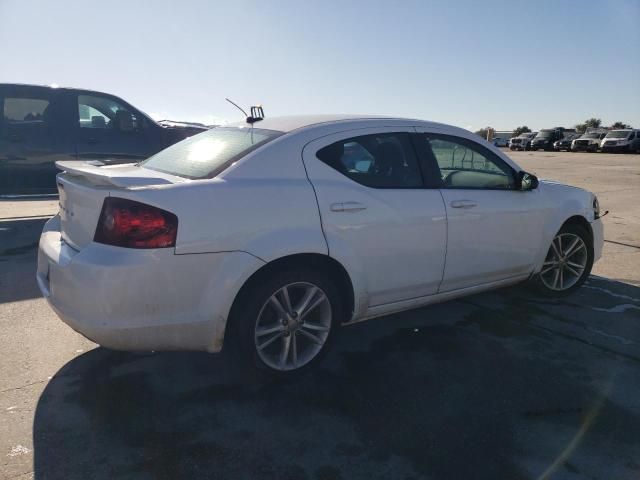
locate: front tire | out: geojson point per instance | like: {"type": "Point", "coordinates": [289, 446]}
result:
{"type": "Point", "coordinates": [286, 322]}
{"type": "Point", "coordinates": [568, 262]}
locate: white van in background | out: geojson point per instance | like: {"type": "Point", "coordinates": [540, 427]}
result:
{"type": "Point", "coordinates": [621, 141]}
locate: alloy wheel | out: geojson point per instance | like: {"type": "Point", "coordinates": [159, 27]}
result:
{"type": "Point", "coordinates": [293, 325]}
{"type": "Point", "coordinates": [565, 263]}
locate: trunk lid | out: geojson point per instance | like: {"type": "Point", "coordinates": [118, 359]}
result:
{"type": "Point", "coordinates": [83, 187]}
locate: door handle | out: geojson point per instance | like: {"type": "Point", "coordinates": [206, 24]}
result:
{"type": "Point", "coordinates": [347, 207]}
{"type": "Point", "coordinates": [463, 204]}
{"type": "Point", "coordinates": [93, 141]}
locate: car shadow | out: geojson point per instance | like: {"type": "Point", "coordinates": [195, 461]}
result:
{"type": "Point", "coordinates": [477, 388]}
{"type": "Point", "coordinates": [18, 258]}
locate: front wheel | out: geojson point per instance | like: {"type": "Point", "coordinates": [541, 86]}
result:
{"type": "Point", "coordinates": [287, 322]}
{"type": "Point", "coordinates": [568, 262]}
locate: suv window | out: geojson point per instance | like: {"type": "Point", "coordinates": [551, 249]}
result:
{"type": "Point", "coordinates": [25, 111]}
{"type": "Point", "coordinates": [385, 160]}
{"type": "Point", "coordinates": [103, 112]}
{"type": "Point", "coordinates": [465, 164]}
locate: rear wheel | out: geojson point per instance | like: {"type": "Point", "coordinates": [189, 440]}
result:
{"type": "Point", "coordinates": [287, 322]}
{"type": "Point", "coordinates": [568, 262]}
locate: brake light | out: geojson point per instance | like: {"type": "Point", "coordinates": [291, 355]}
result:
{"type": "Point", "coordinates": [125, 223]}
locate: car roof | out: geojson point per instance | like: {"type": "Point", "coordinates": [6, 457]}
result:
{"type": "Point", "coordinates": [296, 122]}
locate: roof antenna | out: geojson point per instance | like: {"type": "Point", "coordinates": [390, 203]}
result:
{"type": "Point", "coordinates": [237, 106]}
{"type": "Point", "coordinates": [257, 113]}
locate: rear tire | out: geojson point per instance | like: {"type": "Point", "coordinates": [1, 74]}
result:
{"type": "Point", "coordinates": [568, 262]}
{"type": "Point", "coordinates": [285, 323]}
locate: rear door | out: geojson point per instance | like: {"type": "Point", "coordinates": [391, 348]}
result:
{"type": "Point", "coordinates": [379, 216]}
{"type": "Point", "coordinates": [111, 131]}
{"type": "Point", "coordinates": [31, 140]}
{"type": "Point", "coordinates": [494, 229]}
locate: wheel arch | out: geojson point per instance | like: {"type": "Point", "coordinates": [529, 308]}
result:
{"type": "Point", "coordinates": [581, 221]}
{"type": "Point", "coordinates": [551, 232]}
{"type": "Point", "coordinates": [330, 265]}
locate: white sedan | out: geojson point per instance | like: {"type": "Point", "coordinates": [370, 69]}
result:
{"type": "Point", "coordinates": [268, 239]}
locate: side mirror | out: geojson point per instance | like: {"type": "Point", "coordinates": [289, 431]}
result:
{"type": "Point", "coordinates": [527, 181]}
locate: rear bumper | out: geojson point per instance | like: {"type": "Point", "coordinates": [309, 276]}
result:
{"type": "Point", "coordinates": [129, 299]}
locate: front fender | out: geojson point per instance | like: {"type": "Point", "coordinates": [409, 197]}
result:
{"type": "Point", "coordinates": [563, 203]}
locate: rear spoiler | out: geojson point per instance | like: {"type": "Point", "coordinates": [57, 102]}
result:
{"type": "Point", "coordinates": [122, 175]}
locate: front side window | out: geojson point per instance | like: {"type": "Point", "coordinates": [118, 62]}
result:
{"type": "Point", "coordinates": [385, 160]}
{"type": "Point", "coordinates": [95, 111]}
{"type": "Point", "coordinates": [25, 111]}
{"type": "Point", "coordinates": [208, 153]}
{"type": "Point", "coordinates": [465, 164]}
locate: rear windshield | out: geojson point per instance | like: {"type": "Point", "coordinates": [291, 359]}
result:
{"type": "Point", "coordinates": [208, 153]}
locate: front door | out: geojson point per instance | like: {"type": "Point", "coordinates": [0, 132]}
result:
{"type": "Point", "coordinates": [379, 218]}
{"type": "Point", "coordinates": [110, 131]}
{"type": "Point", "coordinates": [494, 229]}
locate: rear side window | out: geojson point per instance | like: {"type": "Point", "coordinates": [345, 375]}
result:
{"type": "Point", "coordinates": [385, 160]}
{"type": "Point", "coordinates": [209, 153]}
{"type": "Point", "coordinates": [25, 111]}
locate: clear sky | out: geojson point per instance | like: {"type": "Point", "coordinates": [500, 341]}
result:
{"type": "Point", "coordinates": [541, 63]}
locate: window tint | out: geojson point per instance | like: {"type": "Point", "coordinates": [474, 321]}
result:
{"type": "Point", "coordinates": [25, 111]}
{"type": "Point", "coordinates": [103, 112]}
{"type": "Point", "coordinates": [465, 164]}
{"type": "Point", "coordinates": [385, 160]}
{"type": "Point", "coordinates": [208, 153]}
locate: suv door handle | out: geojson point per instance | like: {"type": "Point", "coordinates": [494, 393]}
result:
{"type": "Point", "coordinates": [93, 141]}
{"type": "Point", "coordinates": [463, 204]}
{"type": "Point", "coordinates": [347, 207]}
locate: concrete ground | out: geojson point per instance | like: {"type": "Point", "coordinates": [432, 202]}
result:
{"type": "Point", "coordinates": [497, 385]}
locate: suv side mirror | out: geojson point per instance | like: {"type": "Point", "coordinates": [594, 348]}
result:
{"type": "Point", "coordinates": [527, 181]}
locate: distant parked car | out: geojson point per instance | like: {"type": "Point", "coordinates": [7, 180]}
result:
{"type": "Point", "coordinates": [40, 125]}
{"type": "Point", "coordinates": [587, 142]}
{"type": "Point", "coordinates": [621, 141]}
{"type": "Point", "coordinates": [545, 138]}
{"type": "Point", "coordinates": [522, 141]}
{"type": "Point", "coordinates": [564, 143]}
{"type": "Point", "coordinates": [500, 142]}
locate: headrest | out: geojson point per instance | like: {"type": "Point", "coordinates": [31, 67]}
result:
{"type": "Point", "coordinates": [124, 121]}
{"type": "Point", "coordinates": [97, 121]}
{"type": "Point", "coordinates": [388, 155]}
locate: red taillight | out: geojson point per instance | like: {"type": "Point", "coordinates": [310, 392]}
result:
{"type": "Point", "coordinates": [125, 223]}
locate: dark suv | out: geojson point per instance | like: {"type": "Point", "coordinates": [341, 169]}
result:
{"type": "Point", "coordinates": [40, 125]}
{"type": "Point", "coordinates": [546, 138]}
